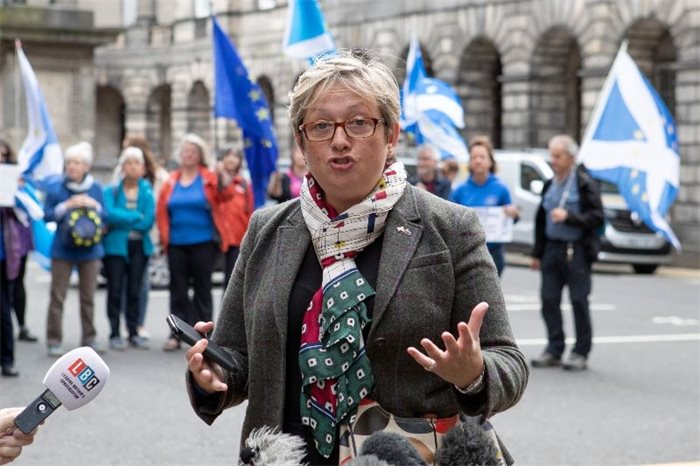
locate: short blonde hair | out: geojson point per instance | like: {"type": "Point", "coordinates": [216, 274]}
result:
{"type": "Point", "coordinates": [81, 151]}
{"type": "Point", "coordinates": [359, 72]}
{"type": "Point", "coordinates": [191, 138]}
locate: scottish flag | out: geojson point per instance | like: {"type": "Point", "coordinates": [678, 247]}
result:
{"type": "Point", "coordinates": [40, 159]}
{"type": "Point", "coordinates": [241, 99]}
{"type": "Point", "coordinates": [631, 142]}
{"type": "Point", "coordinates": [306, 35]}
{"type": "Point", "coordinates": [40, 155]}
{"type": "Point", "coordinates": [430, 109]}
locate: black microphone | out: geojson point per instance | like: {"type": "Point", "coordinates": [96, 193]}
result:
{"type": "Point", "coordinates": [388, 447]}
{"type": "Point", "coordinates": [468, 445]}
{"type": "Point", "coordinates": [73, 381]}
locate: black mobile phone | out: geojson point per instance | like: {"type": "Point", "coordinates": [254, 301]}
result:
{"type": "Point", "coordinates": [185, 332]}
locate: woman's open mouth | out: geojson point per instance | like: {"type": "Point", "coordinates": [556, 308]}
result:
{"type": "Point", "coordinates": [341, 163]}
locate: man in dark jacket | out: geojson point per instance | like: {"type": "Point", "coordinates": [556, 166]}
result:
{"type": "Point", "coordinates": [427, 175]}
{"type": "Point", "coordinates": [566, 244]}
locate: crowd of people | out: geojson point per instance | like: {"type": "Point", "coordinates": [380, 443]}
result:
{"type": "Point", "coordinates": [328, 311]}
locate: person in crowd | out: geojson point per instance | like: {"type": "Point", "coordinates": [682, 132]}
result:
{"type": "Point", "coordinates": [156, 175]}
{"type": "Point", "coordinates": [484, 189]}
{"type": "Point", "coordinates": [427, 174]}
{"type": "Point", "coordinates": [191, 216]}
{"type": "Point", "coordinates": [450, 171]}
{"type": "Point", "coordinates": [12, 440]}
{"type": "Point", "coordinates": [285, 186]}
{"type": "Point", "coordinates": [566, 244]}
{"type": "Point", "coordinates": [317, 324]}
{"type": "Point", "coordinates": [238, 209]}
{"type": "Point", "coordinates": [129, 216]}
{"type": "Point", "coordinates": [19, 244]}
{"type": "Point", "coordinates": [75, 203]}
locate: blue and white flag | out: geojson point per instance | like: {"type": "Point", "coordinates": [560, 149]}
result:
{"type": "Point", "coordinates": [631, 142]}
{"type": "Point", "coordinates": [241, 99]}
{"type": "Point", "coordinates": [306, 35]}
{"type": "Point", "coordinates": [40, 159]}
{"type": "Point", "coordinates": [40, 155]}
{"type": "Point", "coordinates": [431, 111]}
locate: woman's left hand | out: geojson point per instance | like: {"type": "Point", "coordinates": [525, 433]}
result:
{"type": "Point", "coordinates": [511, 211]}
{"type": "Point", "coordinates": [461, 362]}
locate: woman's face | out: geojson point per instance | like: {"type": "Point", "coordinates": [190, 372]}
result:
{"type": "Point", "coordinates": [231, 163]}
{"type": "Point", "coordinates": [189, 157]}
{"type": "Point", "coordinates": [132, 169]}
{"type": "Point", "coordinates": [76, 169]}
{"type": "Point", "coordinates": [479, 161]}
{"type": "Point", "coordinates": [346, 168]}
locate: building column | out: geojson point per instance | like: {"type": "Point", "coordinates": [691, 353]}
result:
{"type": "Point", "coordinates": [516, 113]}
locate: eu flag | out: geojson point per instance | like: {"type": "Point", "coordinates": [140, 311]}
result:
{"type": "Point", "coordinates": [241, 99]}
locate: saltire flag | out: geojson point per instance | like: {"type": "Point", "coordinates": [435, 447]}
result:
{"type": "Point", "coordinates": [306, 34]}
{"type": "Point", "coordinates": [631, 142]}
{"type": "Point", "coordinates": [431, 111]}
{"type": "Point", "coordinates": [40, 159]}
{"type": "Point", "coordinates": [40, 155]}
{"type": "Point", "coordinates": [241, 99]}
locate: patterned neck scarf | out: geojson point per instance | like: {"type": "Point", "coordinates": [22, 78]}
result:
{"type": "Point", "coordinates": [334, 365]}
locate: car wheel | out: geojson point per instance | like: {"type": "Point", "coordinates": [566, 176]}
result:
{"type": "Point", "coordinates": [646, 269]}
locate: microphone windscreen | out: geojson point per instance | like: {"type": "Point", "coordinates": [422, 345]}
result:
{"type": "Point", "coordinates": [367, 460]}
{"type": "Point", "coordinates": [77, 377]}
{"type": "Point", "coordinates": [469, 445]}
{"type": "Point", "coordinates": [392, 448]}
{"type": "Point", "coordinates": [268, 447]}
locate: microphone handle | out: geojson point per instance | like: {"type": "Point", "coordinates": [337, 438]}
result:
{"type": "Point", "coordinates": [35, 413]}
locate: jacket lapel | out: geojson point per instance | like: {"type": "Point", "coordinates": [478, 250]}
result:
{"type": "Point", "coordinates": [401, 236]}
{"type": "Point", "coordinates": [292, 241]}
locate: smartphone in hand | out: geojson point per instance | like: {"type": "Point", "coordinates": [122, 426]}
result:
{"type": "Point", "coordinates": [185, 332]}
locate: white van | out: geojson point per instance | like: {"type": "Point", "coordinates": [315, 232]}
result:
{"type": "Point", "coordinates": [626, 239]}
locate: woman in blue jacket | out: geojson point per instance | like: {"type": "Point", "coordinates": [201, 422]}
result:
{"type": "Point", "coordinates": [74, 202]}
{"type": "Point", "coordinates": [129, 215]}
{"type": "Point", "coordinates": [485, 189]}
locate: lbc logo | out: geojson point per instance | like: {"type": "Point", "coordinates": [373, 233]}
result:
{"type": "Point", "coordinates": [84, 374]}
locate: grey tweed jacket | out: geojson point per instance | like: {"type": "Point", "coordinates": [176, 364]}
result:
{"type": "Point", "coordinates": [434, 269]}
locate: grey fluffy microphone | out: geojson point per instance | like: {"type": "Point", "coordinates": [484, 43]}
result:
{"type": "Point", "coordinates": [74, 380]}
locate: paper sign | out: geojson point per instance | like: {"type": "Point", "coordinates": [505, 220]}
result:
{"type": "Point", "coordinates": [498, 226]}
{"type": "Point", "coordinates": [8, 184]}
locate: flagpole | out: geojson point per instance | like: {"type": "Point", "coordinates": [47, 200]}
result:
{"type": "Point", "coordinates": [18, 43]}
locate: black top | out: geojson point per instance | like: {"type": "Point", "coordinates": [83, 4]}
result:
{"type": "Point", "coordinates": [307, 282]}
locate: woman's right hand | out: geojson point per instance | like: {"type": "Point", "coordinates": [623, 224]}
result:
{"type": "Point", "coordinates": [207, 375]}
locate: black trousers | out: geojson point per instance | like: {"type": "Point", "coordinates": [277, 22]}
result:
{"type": "Point", "coordinates": [18, 293]}
{"type": "Point", "coordinates": [7, 339]}
{"type": "Point", "coordinates": [191, 266]}
{"type": "Point", "coordinates": [230, 258]}
{"type": "Point", "coordinates": [557, 271]}
{"type": "Point", "coordinates": [120, 269]}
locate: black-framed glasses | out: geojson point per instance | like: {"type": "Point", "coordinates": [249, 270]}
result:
{"type": "Point", "coordinates": [323, 130]}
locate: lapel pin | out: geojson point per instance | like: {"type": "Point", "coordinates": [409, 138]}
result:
{"type": "Point", "coordinates": [404, 230]}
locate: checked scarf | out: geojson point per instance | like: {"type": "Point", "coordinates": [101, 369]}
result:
{"type": "Point", "coordinates": [334, 365]}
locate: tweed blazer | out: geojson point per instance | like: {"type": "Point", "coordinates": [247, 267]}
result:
{"type": "Point", "coordinates": [433, 270]}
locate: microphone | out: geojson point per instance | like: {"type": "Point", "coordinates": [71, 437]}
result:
{"type": "Point", "coordinates": [269, 447]}
{"type": "Point", "coordinates": [469, 444]}
{"type": "Point", "coordinates": [388, 448]}
{"type": "Point", "coordinates": [73, 381]}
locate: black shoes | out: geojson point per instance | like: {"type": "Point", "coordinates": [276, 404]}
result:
{"type": "Point", "coordinates": [546, 360]}
{"type": "Point", "coordinates": [25, 335]}
{"type": "Point", "coordinates": [9, 371]}
{"type": "Point", "coordinates": [575, 362]}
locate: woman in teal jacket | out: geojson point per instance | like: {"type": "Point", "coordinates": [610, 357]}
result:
{"type": "Point", "coordinates": [129, 215]}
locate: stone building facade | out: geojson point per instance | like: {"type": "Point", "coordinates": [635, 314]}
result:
{"type": "Point", "coordinates": [525, 69]}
